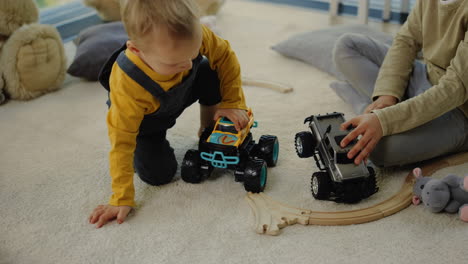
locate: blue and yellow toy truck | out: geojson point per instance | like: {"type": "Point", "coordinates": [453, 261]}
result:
{"type": "Point", "coordinates": [222, 146]}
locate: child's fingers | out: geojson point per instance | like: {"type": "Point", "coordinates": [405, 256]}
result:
{"type": "Point", "coordinates": [106, 217]}
{"type": "Point", "coordinates": [366, 151]}
{"type": "Point", "coordinates": [244, 120]}
{"type": "Point", "coordinates": [95, 214]}
{"type": "Point", "coordinates": [240, 125]}
{"type": "Point", "coordinates": [379, 106]}
{"type": "Point", "coordinates": [217, 115]}
{"type": "Point", "coordinates": [345, 125]}
{"type": "Point", "coordinates": [93, 218]}
{"type": "Point", "coordinates": [123, 212]}
{"type": "Point", "coordinates": [90, 218]}
{"type": "Point", "coordinates": [362, 143]}
{"type": "Point", "coordinates": [351, 136]}
{"type": "Point", "coordinates": [236, 121]}
{"type": "Point", "coordinates": [241, 120]}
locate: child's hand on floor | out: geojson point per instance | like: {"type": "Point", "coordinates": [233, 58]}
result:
{"type": "Point", "coordinates": [105, 213]}
{"type": "Point", "coordinates": [238, 116]}
{"type": "Point", "coordinates": [367, 125]}
{"type": "Point", "coordinates": [381, 102]}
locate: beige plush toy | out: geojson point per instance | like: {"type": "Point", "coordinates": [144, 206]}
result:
{"type": "Point", "coordinates": [32, 57]}
{"type": "Point", "coordinates": [210, 7]}
{"type": "Point", "coordinates": [109, 10]}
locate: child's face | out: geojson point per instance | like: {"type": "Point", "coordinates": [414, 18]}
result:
{"type": "Point", "coordinates": [167, 55]}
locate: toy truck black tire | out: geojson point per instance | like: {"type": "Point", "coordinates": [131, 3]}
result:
{"type": "Point", "coordinates": [321, 185]}
{"type": "Point", "coordinates": [255, 175]}
{"type": "Point", "coordinates": [190, 169]}
{"type": "Point", "coordinates": [305, 144]}
{"type": "Point", "coordinates": [269, 149]}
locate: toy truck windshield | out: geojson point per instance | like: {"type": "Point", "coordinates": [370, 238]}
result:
{"type": "Point", "coordinates": [226, 128]}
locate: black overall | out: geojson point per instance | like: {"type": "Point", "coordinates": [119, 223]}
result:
{"type": "Point", "coordinates": [154, 159]}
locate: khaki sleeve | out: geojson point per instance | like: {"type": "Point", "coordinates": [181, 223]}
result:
{"type": "Point", "coordinates": [224, 61]}
{"type": "Point", "coordinates": [449, 93]}
{"type": "Point", "coordinates": [398, 63]}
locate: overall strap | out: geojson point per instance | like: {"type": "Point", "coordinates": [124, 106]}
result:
{"type": "Point", "coordinates": [139, 76]}
{"type": "Point", "coordinates": [105, 72]}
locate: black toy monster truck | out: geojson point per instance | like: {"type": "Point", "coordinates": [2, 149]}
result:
{"type": "Point", "coordinates": [226, 148]}
{"type": "Point", "coordinates": [339, 179]}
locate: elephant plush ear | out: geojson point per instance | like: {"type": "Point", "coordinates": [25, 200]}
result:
{"type": "Point", "coordinates": [417, 173]}
{"type": "Point", "coordinates": [15, 13]}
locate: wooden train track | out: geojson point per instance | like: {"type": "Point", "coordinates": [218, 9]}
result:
{"type": "Point", "coordinates": [271, 216]}
{"type": "Point", "coordinates": [275, 86]}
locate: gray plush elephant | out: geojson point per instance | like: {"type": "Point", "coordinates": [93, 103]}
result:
{"type": "Point", "coordinates": [449, 194]}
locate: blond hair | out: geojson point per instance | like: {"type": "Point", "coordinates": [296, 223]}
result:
{"type": "Point", "coordinates": [141, 17]}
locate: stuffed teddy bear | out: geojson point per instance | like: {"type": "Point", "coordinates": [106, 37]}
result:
{"type": "Point", "coordinates": [210, 7]}
{"type": "Point", "coordinates": [449, 194]}
{"type": "Point", "coordinates": [32, 57]}
{"type": "Point", "coordinates": [109, 10]}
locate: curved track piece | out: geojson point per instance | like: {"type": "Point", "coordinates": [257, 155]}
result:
{"type": "Point", "coordinates": [279, 87]}
{"type": "Point", "coordinates": [271, 216]}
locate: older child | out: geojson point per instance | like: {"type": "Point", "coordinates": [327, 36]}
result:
{"type": "Point", "coordinates": [415, 110]}
{"type": "Point", "coordinates": [159, 73]}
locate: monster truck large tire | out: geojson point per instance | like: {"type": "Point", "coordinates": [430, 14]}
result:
{"type": "Point", "coordinates": [190, 169]}
{"type": "Point", "coordinates": [269, 149]}
{"type": "Point", "coordinates": [255, 175]}
{"type": "Point", "coordinates": [305, 144]}
{"type": "Point", "coordinates": [321, 185]}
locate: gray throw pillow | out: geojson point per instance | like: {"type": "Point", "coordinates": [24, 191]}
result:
{"type": "Point", "coordinates": [316, 47]}
{"type": "Point", "coordinates": [94, 46]}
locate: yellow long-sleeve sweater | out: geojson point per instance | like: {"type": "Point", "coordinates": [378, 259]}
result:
{"type": "Point", "coordinates": [130, 103]}
{"type": "Point", "coordinates": [440, 30]}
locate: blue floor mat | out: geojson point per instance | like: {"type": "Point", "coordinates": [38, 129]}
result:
{"type": "Point", "coordinates": [69, 19]}
{"type": "Point", "coordinates": [349, 7]}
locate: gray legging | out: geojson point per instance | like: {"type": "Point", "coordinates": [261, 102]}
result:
{"type": "Point", "coordinates": [359, 58]}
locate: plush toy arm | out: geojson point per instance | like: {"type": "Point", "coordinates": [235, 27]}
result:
{"type": "Point", "coordinates": [14, 14]}
{"type": "Point", "coordinates": [33, 61]}
{"type": "Point", "coordinates": [453, 180]}
{"type": "Point", "coordinates": [452, 207]}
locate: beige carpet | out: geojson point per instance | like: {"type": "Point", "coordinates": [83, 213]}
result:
{"type": "Point", "coordinates": [54, 171]}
